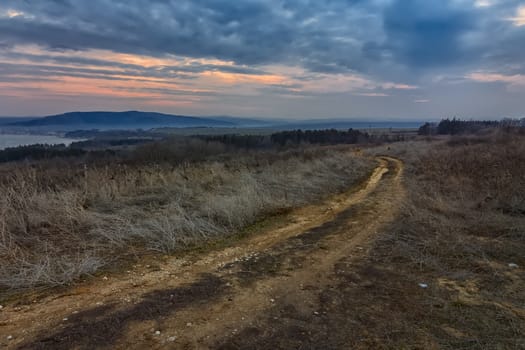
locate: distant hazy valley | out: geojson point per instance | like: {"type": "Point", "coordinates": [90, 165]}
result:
{"type": "Point", "coordinates": [133, 120]}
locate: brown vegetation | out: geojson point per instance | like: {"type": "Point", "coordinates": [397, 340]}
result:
{"type": "Point", "coordinates": [447, 273]}
{"type": "Point", "coordinates": [462, 234]}
{"type": "Point", "coordinates": [428, 255]}
{"type": "Point", "coordinates": [62, 219]}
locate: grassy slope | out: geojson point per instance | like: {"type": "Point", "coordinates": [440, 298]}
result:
{"type": "Point", "coordinates": [461, 228]}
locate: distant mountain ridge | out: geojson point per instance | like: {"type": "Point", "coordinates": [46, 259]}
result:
{"type": "Point", "coordinates": [133, 120]}
{"type": "Point", "coordinates": [126, 120]}
{"type": "Point", "coordinates": [11, 120]}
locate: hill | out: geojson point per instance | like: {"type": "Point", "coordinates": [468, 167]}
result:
{"type": "Point", "coordinates": [11, 120]}
{"type": "Point", "coordinates": [118, 120]}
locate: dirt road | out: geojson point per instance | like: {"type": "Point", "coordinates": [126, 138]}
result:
{"type": "Point", "coordinates": [275, 289]}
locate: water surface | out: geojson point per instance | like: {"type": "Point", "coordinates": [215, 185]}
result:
{"type": "Point", "coordinates": [8, 140]}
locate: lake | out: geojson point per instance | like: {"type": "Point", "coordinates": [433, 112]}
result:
{"type": "Point", "coordinates": [7, 140]}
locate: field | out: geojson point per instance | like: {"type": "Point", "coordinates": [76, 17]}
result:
{"type": "Point", "coordinates": [60, 220]}
{"type": "Point", "coordinates": [407, 245]}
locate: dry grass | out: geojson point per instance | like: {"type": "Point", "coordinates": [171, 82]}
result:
{"type": "Point", "coordinates": [463, 224]}
{"type": "Point", "coordinates": [59, 221]}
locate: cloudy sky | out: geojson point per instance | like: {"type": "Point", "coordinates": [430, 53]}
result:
{"type": "Point", "coordinates": [375, 59]}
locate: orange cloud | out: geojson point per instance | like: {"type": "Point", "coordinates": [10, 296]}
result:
{"type": "Point", "coordinates": [236, 78]}
{"type": "Point", "coordinates": [134, 83]}
{"type": "Point", "coordinates": [519, 19]}
{"type": "Point", "coordinates": [517, 79]}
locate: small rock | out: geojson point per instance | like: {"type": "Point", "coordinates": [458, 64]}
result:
{"type": "Point", "coordinates": [513, 266]}
{"type": "Point", "coordinates": [316, 313]}
{"type": "Point", "coordinates": [423, 285]}
{"type": "Point", "coordinates": [172, 339]}
{"type": "Point", "coordinates": [64, 319]}
{"type": "Point", "coordinates": [1, 307]}
{"type": "Point", "coordinates": [157, 332]}
{"type": "Point", "coordinates": [189, 324]}
{"type": "Point", "coordinates": [105, 278]}
{"type": "Point", "coordinates": [272, 300]}
{"type": "Point", "coordinates": [9, 337]}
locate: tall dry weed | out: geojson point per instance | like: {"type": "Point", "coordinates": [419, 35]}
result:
{"type": "Point", "coordinates": [54, 230]}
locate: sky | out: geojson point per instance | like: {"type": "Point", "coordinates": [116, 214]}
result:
{"type": "Point", "coordinates": [366, 60]}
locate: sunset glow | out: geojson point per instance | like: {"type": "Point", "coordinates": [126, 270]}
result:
{"type": "Point", "coordinates": [519, 20]}
{"type": "Point", "coordinates": [218, 59]}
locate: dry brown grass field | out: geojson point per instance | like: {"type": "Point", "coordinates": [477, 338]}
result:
{"type": "Point", "coordinates": [410, 245]}
{"type": "Point", "coordinates": [462, 233]}
{"type": "Point", "coordinates": [61, 220]}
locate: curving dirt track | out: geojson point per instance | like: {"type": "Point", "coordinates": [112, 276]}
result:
{"type": "Point", "coordinates": [276, 289]}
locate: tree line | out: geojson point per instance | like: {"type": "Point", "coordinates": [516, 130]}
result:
{"type": "Point", "coordinates": [191, 148]}
{"type": "Point", "coordinates": [457, 126]}
{"type": "Point", "coordinates": [44, 151]}
{"type": "Point", "coordinates": [291, 138]}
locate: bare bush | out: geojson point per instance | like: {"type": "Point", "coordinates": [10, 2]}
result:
{"type": "Point", "coordinates": [49, 270]}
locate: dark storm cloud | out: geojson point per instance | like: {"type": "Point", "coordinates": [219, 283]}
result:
{"type": "Point", "coordinates": [385, 39]}
{"type": "Point", "coordinates": [427, 33]}
{"type": "Point", "coordinates": [247, 32]}
{"type": "Point", "coordinates": [242, 31]}
{"type": "Point", "coordinates": [323, 36]}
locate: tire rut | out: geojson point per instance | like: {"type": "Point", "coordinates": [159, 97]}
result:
{"type": "Point", "coordinates": [215, 304]}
